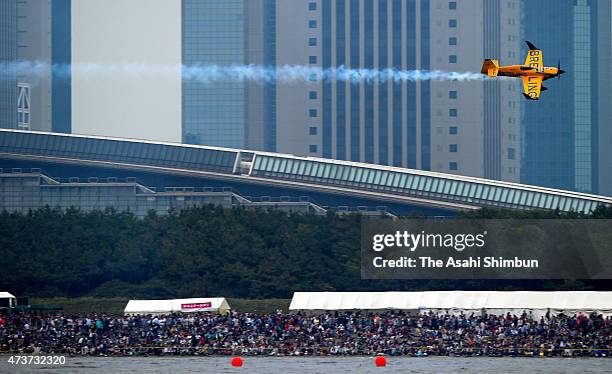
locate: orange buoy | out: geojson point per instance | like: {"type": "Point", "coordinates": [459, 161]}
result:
{"type": "Point", "coordinates": [237, 362]}
{"type": "Point", "coordinates": [380, 361]}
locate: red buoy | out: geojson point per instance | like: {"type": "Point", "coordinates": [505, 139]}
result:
{"type": "Point", "coordinates": [237, 362]}
{"type": "Point", "coordinates": [380, 361]}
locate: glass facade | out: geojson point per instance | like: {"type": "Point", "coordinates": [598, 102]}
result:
{"type": "Point", "coordinates": [368, 54]}
{"type": "Point", "coordinates": [582, 97]}
{"type": "Point", "coordinates": [214, 33]}
{"type": "Point", "coordinates": [425, 89]}
{"type": "Point", "coordinates": [561, 146]}
{"type": "Point", "coordinates": [8, 54]}
{"type": "Point", "coordinates": [383, 87]}
{"type": "Point", "coordinates": [118, 151]}
{"type": "Point", "coordinates": [270, 87]}
{"type": "Point", "coordinates": [61, 53]}
{"type": "Point", "coordinates": [355, 103]}
{"type": "Point", "coordinates": [326, 16]}
{"type": "Point", "coordinates": [340, 85]}
{"type": "Point", "coordinates": [547, 137]}
{"type": "Point", "coordinates": [397, 86]}
{"type": "Point", "coordinates": [375, 121]}
{"type": "Point", "coordinates": [434, 186]}
{"type": "Point", "coordinates": [411, 91]}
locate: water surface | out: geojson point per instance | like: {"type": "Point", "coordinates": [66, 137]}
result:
{"type": "Point", "coordinates": [312, 365]}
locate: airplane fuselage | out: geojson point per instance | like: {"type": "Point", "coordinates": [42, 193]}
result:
{"type": "Point", "coordinates": [527, 71]}
{"type": "Point", "coordinates": [532, 72]}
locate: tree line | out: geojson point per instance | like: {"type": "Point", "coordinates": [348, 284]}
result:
{"type": "Point", "coordinates": [207, 251]}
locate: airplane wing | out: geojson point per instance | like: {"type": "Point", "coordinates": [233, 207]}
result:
{"type": "Point", "coordinates": [534, 57]}
{"type": "Point", "coordinates": [531, 87]}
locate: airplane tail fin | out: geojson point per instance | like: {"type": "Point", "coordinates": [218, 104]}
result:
{"type": "Point", "coordinates": [490, 68]}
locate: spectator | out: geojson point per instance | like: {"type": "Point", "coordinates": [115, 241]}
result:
{"type": "Point", "coordinates": [332, 333]}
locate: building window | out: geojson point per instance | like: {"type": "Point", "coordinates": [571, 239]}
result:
{"type": "Point", "coordinates": [312, 113]}
{"type": "Point", "coordinates": [452, 59]}
{"type": "Point", "coordinates": [312, 42]}
{"type": "Point", "coordinates": [452, 23]}
{"type": "Point", "coordinates": [453, 130]}
{"type": "Point", "coordinates": [312, 130]}
{"type": "Point", "coordinates": [312, 24]}
{"type": "Point", "coordinates": [452, 112]}
{"type": "Point", "coordinates": [452, 41]}
{"type": "Point", "coordinates": [312, 6]}
{"type": "Point", "coordinates": [312, 95]}
{"type": "Point", "coordinates": [313, 77]}
{"type": "Point", "coordinates": [452, 148]}
{"type": "Point", "coordinates": [452, 94]}
{"type": "Point", "coordinates": [313, 148]}
{"type": "Point", "coordinates": [511, 154]}
{"type": "Point", "coordinates": [452, 5]}
{"type": "Point", "coordinates": [312, 59]}
{"type": "Point", "coordinates": [453, 166]}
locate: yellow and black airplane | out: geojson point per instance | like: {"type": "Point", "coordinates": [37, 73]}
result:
{"type": "Point", "coordinates": [532, 72]}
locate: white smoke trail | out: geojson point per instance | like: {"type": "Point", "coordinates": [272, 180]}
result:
{"type": "Point", "coordinates": [237, 73]}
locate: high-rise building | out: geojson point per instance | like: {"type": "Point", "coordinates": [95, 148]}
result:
{"type": "Point", "coordinates": [603, 82]}
{"type": "Point", "coordinates": [501, 98]}
{"type": "Point", "coordinates": [225, 33]}
{"type": "Point", "coordinates": [261, 26]}
{"type": "Point", "coordinates": [36, 32]}
{"type": "Point", "coordinates": [473, 128]}
{"type": "Point", "coordinates": [148, 105]}
{"type": "Point", "coordinates": [213, 32]}
{"type": "Point", "coordinates": [567, 132]}
{"type": "Point", "coordinates": [34, 45]}
{"type": "Point", "coordinates": [466, 128]}
{"type": "Point", "coordinates": [469, 128]}
{"type": "Point", "coordinates": [8, 55]}
{"type": "Point", "coordinates": [133, 89]}
{"type": "Point", "coordinates": [61, 55]}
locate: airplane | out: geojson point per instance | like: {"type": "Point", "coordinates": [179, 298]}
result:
{"type": "Point", "coordinates": [532, 72]}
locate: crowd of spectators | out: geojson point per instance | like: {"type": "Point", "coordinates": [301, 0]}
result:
{"type": "Point", "coordinates": [331, 333]}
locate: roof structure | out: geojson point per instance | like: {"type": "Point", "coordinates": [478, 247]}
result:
{"type": "Point", "coordinates": [501, 301]}
{"type": "Point", "coordinates": [192, 305]}
{"type": "Point", "coordinates": [430, 189]}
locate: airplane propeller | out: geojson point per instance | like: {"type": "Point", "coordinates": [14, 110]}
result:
{"type": "Point", "coordinates": [559, 70]}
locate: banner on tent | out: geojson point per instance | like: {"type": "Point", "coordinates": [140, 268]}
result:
{"type": "Point", "coordinates": [192, 306]}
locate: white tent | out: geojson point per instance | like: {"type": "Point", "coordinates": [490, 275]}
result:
{"type": "Point", "coordinates": [496, 302]}
{"type": "Point", "coordinates": [8, 300]}
{"type": "Point", "coordinates": [200, 304]}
